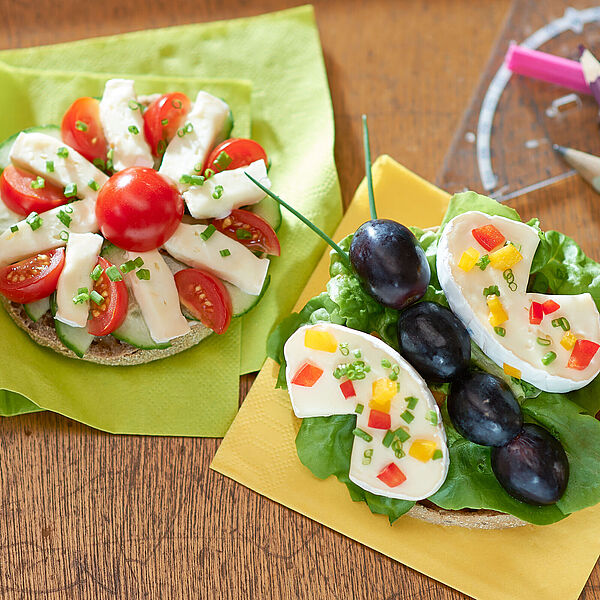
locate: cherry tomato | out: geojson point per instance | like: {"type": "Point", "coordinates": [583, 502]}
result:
{"type": "Point", "coordinates": [109, 315]}
{"type": "Point", "coordinates": [20, 197]}
{"type": "Point", "coordinates": [205, 297]}
{"type": "Point", "coordinates": [242, 152]}
{"type": "Point", "coordinates": [163, 118]}
{"type": "Point", "coordinates": [81, 129]}
{"type": "Point", "coordinates": [33, 278]}
{"type": "Point", "coordinates": [138, 209]}
{"type": "Point", "coordinates": [250, 230]}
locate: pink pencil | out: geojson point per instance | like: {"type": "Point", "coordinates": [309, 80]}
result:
{"type": "Point", "coordinates": [546, 67]}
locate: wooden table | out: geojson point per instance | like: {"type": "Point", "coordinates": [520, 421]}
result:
{"type": "Point", "coordinates": [84, 514]}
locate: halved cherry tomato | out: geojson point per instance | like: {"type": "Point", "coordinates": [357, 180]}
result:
{"type": "Point", "coordinates": [379, 419]}
{"type": "Point", "coordinates": [250, 230]}
{"type": "Point", "coordinates": [391, 475]}
{"type": "Point", "coordinates": [81, 129]}
{"type": "Point", "coordinates": [138, 209]}
{"type": "Point", "coordinates": [205, 297]}
{"type": "Point", "coordinates": [163, 118]}
{"type": "Point", "coordinates": [33, 278]}
{"type": "Point", "coordinates": [307, 375]}
{"type": "Point", "coordinates": [488, 236]}
{"type": "Point", "coordinates": [110, 314]}
{"type": "Point", "coordinates": [242, 152]}
{"type": "Point", "coordinates": [20, 197]}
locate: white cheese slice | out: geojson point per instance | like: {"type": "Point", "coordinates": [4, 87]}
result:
{"type": "Point", "coordinates": [325, 398]}
{"type": "Point", "coordinates": [31, 151]}
{"type": "Point", "coordinates": [7, 216]}
{"type": "Point", "coordinates": [227, 190]}
{"type": "Point", "coordinates": [241, 268]}
{"type": "Point", "coordinates": [158, 297]}
{"type": "Point", "coordinates": [51, 234]}
{"type": "Point", "coordinates": [120, 122]}
{"type": "Point", "coordinates": [519, 347]}
{"type": "Point", "coordinates": [204, 122]}
{"type": "Point", "coordinates": [81, 257]}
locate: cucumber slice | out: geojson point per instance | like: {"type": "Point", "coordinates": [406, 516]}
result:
{"type": "Point", "coordinates": [36, 310]}
{"type": "Point", "coordinates": [76, 339]}
{"type": "Point", "coordinates": [242, 302]}
{"type": "Point", "coordinates": [269, 210]}
{"type": "Point", "coordinates": [227, 129]}
{"type": "Point", "coordinates": [7, 144]}
{"type": "Point", "coordinates": [134, 330]}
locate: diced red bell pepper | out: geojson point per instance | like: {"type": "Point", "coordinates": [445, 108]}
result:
{"type": "Point", "coordinates": [536, 313]}
{"type": "Point", "coordinates": [392, 476]}
{"type": "Point", "coordinates": [379, 419]}
{"type": "Point", "coordinates": [488, 236]}
{"type": "Point", "coordinates": [550, 306]}
{"type": "Point", "coordinates": [347, 389]}
{"type": "Point", "coordinates": [307, 375]}
{"type": "Point", "coordinates": [582, 354]}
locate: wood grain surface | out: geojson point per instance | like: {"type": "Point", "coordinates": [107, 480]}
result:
{"type": "Point", "coordinates": [88, 515]}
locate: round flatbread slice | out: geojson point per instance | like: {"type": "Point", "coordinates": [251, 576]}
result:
{"type": "Point", "coordinates": [470, 519]}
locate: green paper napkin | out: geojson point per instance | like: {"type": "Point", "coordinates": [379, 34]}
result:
{"type": "Point", "coordinates": [291, 117]}
{"type": "Point", "coordinates": [192, 393]}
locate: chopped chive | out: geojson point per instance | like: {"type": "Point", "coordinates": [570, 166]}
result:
{"type": "Point", "coordinates": [362, 434]}
{"type": "Point", "coordinates": [96, 298]}
{"type": "Point", "coordinates": [128, 266]}
{"type": "Point", "coordinates": [198, 167]}
{"type": "Point", "coordinates": [64, 218]}
{"type": "Point", "coordinates": [81, 126]}
{"type": "Point", "coordinates": [344, 349]}
{"type": "Point", "coordinates": [437, 454]}
{"type": "Point", "coordinates": [93, 185]}
{"type": "Point", "coordinates": [218, 192]}
{"type": "Point", "coordinates": [70, 190]}
{"type": "Point", "coordinates": [411, 402]}
{"type": "Point", "coordinates": [500, 331]}
{"type": "Point", "coordinates": [397, 448]}
{"type": "Point", "coordinates": [223, 160]}
{"type": "Point", "coordinates": [357, 353]}
{"type": "Point", "coordinates": [401, 434]}
{"type": "Point", "coordinates": [207, 233]}
{"type": "Point", "coordinates": [99, 163]}
{"type": "Point", "coordinates": [388, 438]}
{"type": "Point", "coordinates": [96, 273]}
{"type": "Point", "coordinates": [385, 363]}
{"type": "Point", "coordinates": [242, 234]}
{"type": "Point", "coordinates": [133, 105]}
{"type": "Point", "coordinates": [82, 290]}
{"type": "Point", "coordinates": [432, 417]}
{"type": "Point", "coordinates": [393, 376]}
{"type": "Point", "coordinates": [192, 179]}
{"type": "Point", "coordinates": [208, 173]}
{"type": "Point", "coordinates": [176, 103]}
{"type": "Point", "coordinates": [14, 228]}
{"type": "Point", "coordinates": [396, 369]}
{"type": "Point", "coordinates": [50, 166]}
{"type": "Point", "coordinates": [143, 274]}
{"type": "Point", "coordinates": [368, 170]}
{"type": "Point", "coordinates": [81, 298]}
{"type": "Point", "coordinates": [133, 129]}
{"type": "Point", "coordinates": [138, 262]}
{"type": "Point", "coordinates": [113, 273]}
{"type": "Point", "coordinates": [64, 236]}
{"type": "Point", "coordinates": [548, 358]}
{"type": "Point", "coordinates": [164, 122]}
{"type": "Point", "coordinates": [562, 323]}
{"type": "Point", "coordinates": [161, 147]}
{"type": "Point", "coordinates": [62, 152]}
{"type": "Point", "coordinates": [483, 262]}
{"type": "Point", "coordinates": [407, 416]}
{"type": "Point", "coordinates": [367, 456]}
{"type": "Point", "coordinates": [39, 183]}
{"type": "Point", "coordinates": [225, 252]}
{"type": "Point", "coordinates": [359, 408]}
{"type": "Point", "coordinates": [544, 341]}
{"type": "Point", "coordinates": [491, 291]}
{"type": "Point", "coordinates": [34, 221]}
{"type": "Point", "coordinates": [187, 128]}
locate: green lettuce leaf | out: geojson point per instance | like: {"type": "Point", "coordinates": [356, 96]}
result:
{"type": "Point", "coordinates": [467, 201]}
{"type": "Point", "coordinates": [324, 445]}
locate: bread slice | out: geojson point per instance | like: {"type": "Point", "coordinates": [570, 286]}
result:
{"type": "Point", "coordinates": [105, 350]}
{"type": "Point", "coordinates": [468, 518]}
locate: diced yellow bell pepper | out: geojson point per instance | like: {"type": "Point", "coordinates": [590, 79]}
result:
{"type": "Point", "coordinates": [468, 259]}
{"type": "Point", "coordinates": [422, 450]}
{"type": "Point", "coordinates": [384, 389]}
{"type": "Point", "coordinates": [497, 314]}
{"type": "Point", "coordinates": [317, 339]}
{"type": "Point", "coordinates": [505, 258]}
{"type": "Point", "coordinates": [512, 371]}
{"type": "Point", "coordinates": [568, 341]}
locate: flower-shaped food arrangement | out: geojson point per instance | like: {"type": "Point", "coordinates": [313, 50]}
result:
{"type": "Point", "coordinates": [131, 232]}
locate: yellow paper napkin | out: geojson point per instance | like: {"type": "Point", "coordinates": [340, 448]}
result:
{"type": "Point", "coordinates": [526, 563]}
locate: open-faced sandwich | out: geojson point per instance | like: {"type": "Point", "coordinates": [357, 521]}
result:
{"type": "Point", "coordinates": [131, 232]}
{"type": "Point", "coordinates": [451, 374]}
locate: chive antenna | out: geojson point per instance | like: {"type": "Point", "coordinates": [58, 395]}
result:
{"type": "Point", "coordinates": [343, 255]}
{"type": "Point", "coordinates": [367, 146]}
